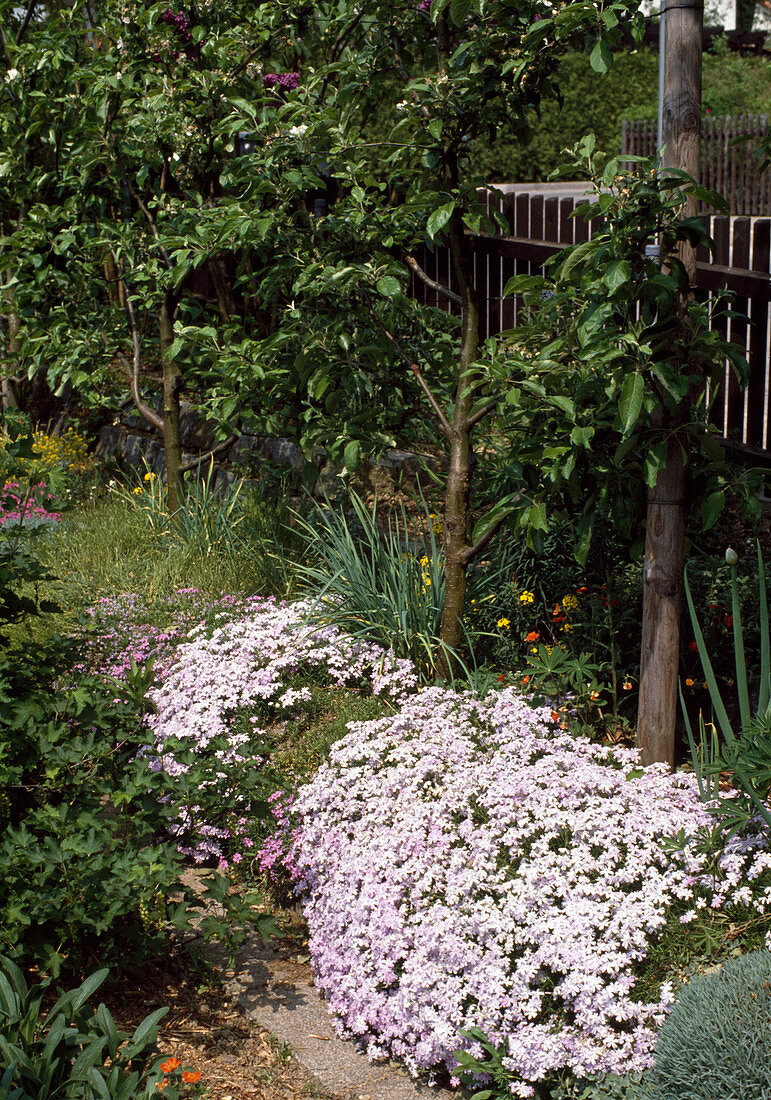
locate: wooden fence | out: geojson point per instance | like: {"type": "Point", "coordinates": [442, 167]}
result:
{"type": "Point", "coordinates": [540, 224]}
{"type": "Point", "coordinates": [730, 161]}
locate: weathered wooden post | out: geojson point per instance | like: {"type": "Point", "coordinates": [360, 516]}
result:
{"type": "Point", "coordinates": [666, 510]}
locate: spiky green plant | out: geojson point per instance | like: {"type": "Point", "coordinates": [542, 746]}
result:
{"type": "Point", "coordinates": [375, 579]}
{"type": "Point", "coordinates": [747, 754]}
{"type": "Point", "coordinates": [716, 1041]}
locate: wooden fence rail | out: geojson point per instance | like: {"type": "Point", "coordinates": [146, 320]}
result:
{"type": "Point", "coordinates": [730, 162]}
{"type": "Point", "coordinates": [540, 224]}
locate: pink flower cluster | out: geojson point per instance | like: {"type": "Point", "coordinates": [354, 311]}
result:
{"type": "Point", "coordinates": [464, 864]}
{"type": "Point", "coordinates": [20, 504]}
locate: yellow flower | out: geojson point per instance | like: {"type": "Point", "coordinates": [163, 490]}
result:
{"type": "Point", "coordinates": [570, 603]}
{"type": "Point", "coordinates": [526, 597]}
{"type": "Point", "coordinates": [567, 628]}
{"type": "Point", "coordinates": [503, 624]}
{"type": "Point", "coordinates": [149, 476]}
{"type": "Point", "coordinates": [138, 489]}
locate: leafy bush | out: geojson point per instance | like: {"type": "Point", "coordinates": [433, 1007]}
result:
{"type": "Point", "coordinates": [70, 1050]}
{"type": "Point", "coordinates": [83, 815]}
{"type": "Point", "coordinates": [716, 1040]}
{"type": "Point", "coordinates": [465, 865]}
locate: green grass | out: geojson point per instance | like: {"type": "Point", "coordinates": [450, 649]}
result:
{"type": "Point", "coordinates": [107, 548]}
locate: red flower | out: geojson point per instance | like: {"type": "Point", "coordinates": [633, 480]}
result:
{"type": "Point", "coordinates": [502, 677]}
{"type": "Point", "coordinates": [191, 1077]}
{"type": "Point", "coordinates": [729, 620]}
{"type": "Point", "coordinates": [694, 646]}
{"type": "Point", "coordinates": [533, 636]}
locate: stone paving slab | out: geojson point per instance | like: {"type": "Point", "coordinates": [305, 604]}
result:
{"type": "Point", "coordinates": [277, 991]}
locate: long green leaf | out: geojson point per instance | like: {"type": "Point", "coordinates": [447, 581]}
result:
{"type": "Point", "coordinates": [765, 647]}
{"type": "Point", "coordinates": [741, 664]}
{"type": "Point", "coordinates": [709, 675]}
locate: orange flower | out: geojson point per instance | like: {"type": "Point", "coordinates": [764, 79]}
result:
{"type": "Point", "coordinates": [502, 678]}
{"type": "Point", "coordinates": [162, 1084]}
{"type": "Point", "coordinates": [533, 636]}
{"type": "Point", "coordinates": [525, 680]}
{"type": "Point", "coordinates": [170, 1065]}
{"type": "Point", "coordinates": [689, 682]}
{"type": "Point", "coordinates": [191, 1077]}
{"type": "Point", "coordinates": [555, 716]}
{"type": "Point", "coordinates": [627, 685]}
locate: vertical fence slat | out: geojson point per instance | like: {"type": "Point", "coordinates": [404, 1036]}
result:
{"type": "Point", "coordinates": [728, 165]}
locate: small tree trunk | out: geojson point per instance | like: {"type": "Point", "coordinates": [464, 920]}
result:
{"type": "Point", "coordinates": [665, 523]}
{"type": "Point", "coordinates": [458, 489]}
{"type": "Point", "coordinates": [172, 385]}
{"type": "Point", "coordinates": [662, 609]}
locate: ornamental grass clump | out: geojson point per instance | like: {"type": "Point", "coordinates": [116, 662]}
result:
{"type": "Point", "coordinates": [467, 865]}
{"type": "Point", "coordinates": [716, 1042]}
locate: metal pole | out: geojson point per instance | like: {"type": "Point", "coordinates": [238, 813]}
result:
{"type": "Point", "coordinates": [662, 66]}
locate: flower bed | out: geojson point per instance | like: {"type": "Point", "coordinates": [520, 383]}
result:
{"type": "Point", "coordinates": [464, 864]}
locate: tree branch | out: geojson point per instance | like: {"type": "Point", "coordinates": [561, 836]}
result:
{"type": "Point", "coordinates": [471, 552]}
{"type": "Point", "coordinates": [133, 371]}
{"type": "Point", "coordinates": [440, 288]}
{"type": "Point", "coordinates": [438, 410]}
{"type": "Point", "coordinates": [480, 414]}
{"type": "Point", "coordinates": [25, 22]}
{"type": "Point", "coordinates": [220, 447]}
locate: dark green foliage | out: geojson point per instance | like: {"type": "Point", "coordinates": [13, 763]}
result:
{"type": "Point", "coordinates": [82, 815]}
{"type": "Point", "coordinates": [591, 102]}
{"type": "Point", "coordinates": [71, 1050]}
{"type": "Point", "coordinates": [716, 1042]}
{"type": "Point", "coordinates": [597, 102]}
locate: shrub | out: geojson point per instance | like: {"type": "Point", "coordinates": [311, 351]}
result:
{"type": "Point", "coordinates": [717, 1038]}
{"type": "Point", "coordinates": [82, 815]}
{"type": "Point", "coordinates": [466, 865]}
{"type": "Point", "coordinates": [71, 1050]}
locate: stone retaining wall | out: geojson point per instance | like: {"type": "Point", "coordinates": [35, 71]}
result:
{"type": "Point", "coordinates": [130, 438]}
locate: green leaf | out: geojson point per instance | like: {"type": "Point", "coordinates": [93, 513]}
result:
{"type": "Point", "coordinates": [352, 455]}
{"type": "Point", "coordinates": [630, 402]}
{"type": "Point", "coordinates": [711, 508]}
{"type": "Point", "coordinates": [536, 517]}
{"type": "Point", "coordinates": [439, 219]}
{"type": "Point", "coordinates": [389, 286]}
{"type": "Point", "coordinates": [459, 10]}
{"type": "Point", "coordinates": [618, 273]}
{"type": "Point", "coordinates": [601, 58]}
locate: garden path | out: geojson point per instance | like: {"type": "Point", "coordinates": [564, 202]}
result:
{"type": "Point", "coordinates": [276, 989]}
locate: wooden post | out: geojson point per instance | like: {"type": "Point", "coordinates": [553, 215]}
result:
{"type": "Point", "coordinates": [666, 511]}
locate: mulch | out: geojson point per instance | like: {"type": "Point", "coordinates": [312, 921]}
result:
{"type": "Point", "coordinates": [208, 1032]}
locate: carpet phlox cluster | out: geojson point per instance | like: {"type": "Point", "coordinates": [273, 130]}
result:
{"type": "Point", "coordinates": [464, 864]}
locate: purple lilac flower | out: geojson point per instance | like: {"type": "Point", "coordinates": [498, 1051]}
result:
{"type": "Point", "coordinates": [286, 82]}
